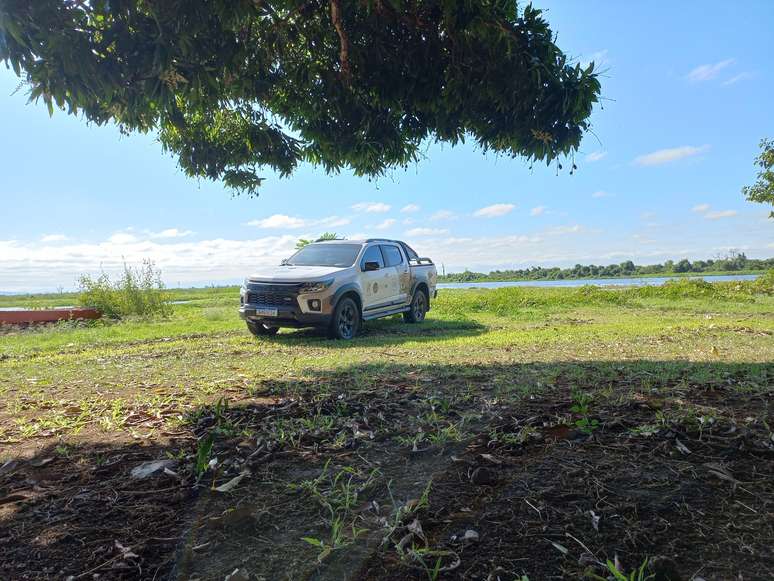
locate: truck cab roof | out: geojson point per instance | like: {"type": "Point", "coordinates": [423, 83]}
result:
{"type": "Point", "coordinates": [360, 241]}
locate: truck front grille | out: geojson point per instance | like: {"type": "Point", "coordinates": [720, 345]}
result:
{"type": "Point", "coordinates": [271, 295]}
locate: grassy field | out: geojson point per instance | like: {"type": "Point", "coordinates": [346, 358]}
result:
{"type": "Point", "coordinates": [517, 432]}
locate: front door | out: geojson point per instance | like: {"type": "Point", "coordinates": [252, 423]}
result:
{"type": "Point", "coordinates": [375, 283]}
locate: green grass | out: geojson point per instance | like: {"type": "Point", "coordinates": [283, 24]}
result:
{"type": "Point", "coordinates": [495, 370]}
{"type": "Point", "coordinates": [71, 378]}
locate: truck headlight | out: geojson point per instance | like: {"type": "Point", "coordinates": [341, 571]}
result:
{"type": "Point", "coordinates": [315, 287]}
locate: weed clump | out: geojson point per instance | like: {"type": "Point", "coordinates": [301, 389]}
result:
{"type": "Point", "coordinates": [138, 292]}
{"type": "Point", "coordinates": [513, 301]}
{"type": "Point", "coordinates": [764, 284]}
{"type": "Point", "coordinates": [696, 288]}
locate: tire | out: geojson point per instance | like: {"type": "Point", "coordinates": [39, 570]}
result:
{"type": "Point", "coordinates": [261, 329]}
{"type": "Point", "coordinates": [418, 308]}
{"type": "Point", "coordinates": [346, 320]}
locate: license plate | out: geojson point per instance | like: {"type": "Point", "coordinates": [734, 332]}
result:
{"type": "Point", "coordinates": [266, 312]}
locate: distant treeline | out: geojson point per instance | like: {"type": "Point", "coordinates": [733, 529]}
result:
{"type": "Point", "coordinates": [736, 263]}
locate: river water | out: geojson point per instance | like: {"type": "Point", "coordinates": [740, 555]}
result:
{"type": "Point", "coordinates": [651, 281]}
{"type": "Point", "coordinates": [647, 281]}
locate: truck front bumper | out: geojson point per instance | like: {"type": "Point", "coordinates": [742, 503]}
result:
{"type": "Point", "coordinates": [286, 317]}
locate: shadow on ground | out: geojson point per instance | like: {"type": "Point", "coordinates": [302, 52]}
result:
{"type": "Point", "coordinates": [393, 472]}
{"type": "Point", "coordinates": [387, 331]}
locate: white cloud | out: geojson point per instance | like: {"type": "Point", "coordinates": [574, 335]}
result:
{"type": "Point", "coordinates": [36, 266]}
{"type": "Point", "coordinates": [663, 156]}
{"type": "Point", "coordinates": [279, 221]}
{"type": "Point", "coordinates": [643, 239]}
{"type": "Point", "coordinates": [560, 230]}
{"type": "Point", "coordinates": [122, 238]}
{"type": "Point", "coordinates": [372, 207]}
{"type": "Point", "coordinates": [408, 221]}
{"type": "Point", "coordinates": [285, 222]}
{"type": "Point", "coordinates": [596, 156]}
{"type": "Point", "coordinates": [427, 232]}
{"type": "Point", "coordinates": [494, 211]}
{"type": "Point", "coordinates": [709, 71]}
{"type": "Point", "coordinates": [743, 76]}
{"type": "Point", "coordinates": [704, 209]}
{"type": "Point", "coordinates": [718, 214]}
{"type": "Point", "coordinates": [410, 209]}
{"type": "Point", "coordinates": [537, 211]}
{"type": "Point", "coordinates": [39, 266]}
{"type": "Point", "coordinates": [443, 215]}
{"type": "Point", "coordinates": [53, 238]}
{"type": "Point", "coordinates": [171, 233]}
{"type": "Point", "coordinates": [388, 223]}
{"type": "Point", "coordinates": [601, 194]}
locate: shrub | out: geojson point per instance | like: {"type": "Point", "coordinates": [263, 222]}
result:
{"type": "Point", "coordinates": [697, 288]}
{"type": "Point", "coordinates": [139, 291]}
{"type": "Point", "coordinates": [680, 288]}
{"type": "Point", "coordinates": [764, 284]}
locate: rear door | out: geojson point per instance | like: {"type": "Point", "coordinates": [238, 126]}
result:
{"type": "Point", "coordinates": [375, 283]}
{"type": "Point", "coordinates": [399, 275]}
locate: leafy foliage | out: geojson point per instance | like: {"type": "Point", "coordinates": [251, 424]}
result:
{"type": "Point", "coordinates": [582, 407]}
{"type": "Point", "coordinates": [639, 574]}
{"type": "Point", "coordinates": [236, 85]}
{"type": "Point", "coordinates": [762, 191]}
{"type": "Point", "coordinates": [139, 291]}
{"type": "Point", "coordinates": [732, 262]}
{"type": "Point", "coordinates": [324, 236]}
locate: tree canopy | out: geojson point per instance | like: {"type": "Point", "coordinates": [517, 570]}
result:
{"type": "Point", "coordinates": [234, 86]}
{"type": "Point", "coordinates": [762, 191]}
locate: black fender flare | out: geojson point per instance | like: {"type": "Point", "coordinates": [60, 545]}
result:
{"type": "Point", "coordinates": [416, 285]}
{"type": "Point", "coordinates": [349, 287]}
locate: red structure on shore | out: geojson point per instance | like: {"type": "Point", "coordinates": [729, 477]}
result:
{"type": "Point", "coordinates": [27, 317]}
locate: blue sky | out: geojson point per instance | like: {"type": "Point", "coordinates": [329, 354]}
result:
{"type": "Point", "coordinates": [687, 96]}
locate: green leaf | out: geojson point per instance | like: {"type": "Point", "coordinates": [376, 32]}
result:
{"type": "Point", "coordinates": [313, 541]}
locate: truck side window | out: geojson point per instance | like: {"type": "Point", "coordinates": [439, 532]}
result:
{"type": "Point", "coordinates": [412, 256]}
{"type": "Point", "coordinates": [392, 256]}
{"type": "Point", "coordinates": [372, 254]}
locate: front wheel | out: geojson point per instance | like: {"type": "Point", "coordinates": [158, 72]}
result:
{"type": "Point", "coordinates": [261, 329]}
{"type": "Point", "coordinates": [346, 320]}
{"type": "Point", "coordinates": [418, 308]}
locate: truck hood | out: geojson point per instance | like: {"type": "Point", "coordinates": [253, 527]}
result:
{"type": "Point", "coordinates": [293, 273]}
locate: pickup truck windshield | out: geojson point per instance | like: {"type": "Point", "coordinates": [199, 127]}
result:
{"type": "Point", "coordinates": [342, 255]}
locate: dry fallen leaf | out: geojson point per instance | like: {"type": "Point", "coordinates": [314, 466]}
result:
{"type": "Point", "coordinates": [594, 520]}
{"type": "Point", "coordinates": [416, 528]}
{"type": "Point", "coordinates": [682, 447]}
{"type": "Point", "coordinates": [231, 484]}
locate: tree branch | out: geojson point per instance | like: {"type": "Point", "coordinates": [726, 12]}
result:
{"type": "Point", "coordinates": [346, 73]}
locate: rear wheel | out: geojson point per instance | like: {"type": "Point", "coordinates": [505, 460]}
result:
{"type": "Point", "coordinates": [261, 329]}
{"type": "Point", "coordinates": [346, 320]}
{"type": "Point", "coordinates": [418, 308]}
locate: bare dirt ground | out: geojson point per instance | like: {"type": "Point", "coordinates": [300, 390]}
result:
{"type": "Point", "coordinates": [422, 472]}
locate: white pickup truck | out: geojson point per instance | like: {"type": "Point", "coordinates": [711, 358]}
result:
{"type": "Point", "coordinates": [338, 284]}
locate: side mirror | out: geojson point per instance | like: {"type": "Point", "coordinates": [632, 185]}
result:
{"type": "Point", "coordinates": [284, 262]}
{"type": "Point", "coordinates": [371, 266]}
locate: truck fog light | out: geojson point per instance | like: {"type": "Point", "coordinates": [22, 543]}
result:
{"type": "Point", "coordinates": [315, 305]}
